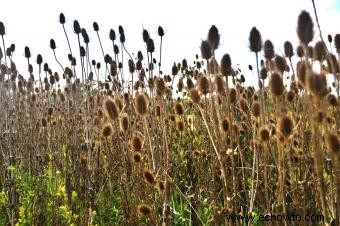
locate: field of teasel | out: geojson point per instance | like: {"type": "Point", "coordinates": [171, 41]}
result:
{"type": "Point", "coordinates": [115, 141]}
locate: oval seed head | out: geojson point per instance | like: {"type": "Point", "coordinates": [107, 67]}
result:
{"type": "Point", "coordinates": [160, 31]}
{"type": "Point", "coordinates": [337, 42]}
{"type": "Point", "coordinates": [149, 178]}
{"type": "Point", "coordinates": [319, 51]}
{"type": "Point", "coordinates": [179, 109]}
{"type": "Point", "coordinates": [256, 109]}
{"type": "Point", "coordinates": [226, 65]}
{"type": "Point", "coordinates": [305, 30]}
{"type": "Point", "coordinates": [268, 49]}
{"type": "Point", "coordinates": [95, 26]}
{"type": "Point", "coordinates": [112, 35]}
{"type": "Point", "coordinates": [194, 96]}
{"type": "Point", "coordinates": [2, 29]}
{"type": "Point", "coordinates": [124, 123]}
{"type": "Point", "coordinates": [76, 27]}
{"type": "Point", "coordinates": [332, 63]}
{"type": "Point", "coordinates": [333, 143]}
{"type": "Point", "coordinates": [290, 95]}
{"type": "Point", "coordinates": [255, 40]}
{"type": "Point", "coordinates": [146, 35]}
{"type": "Point", "coordinates": [225, 125]}
{"type": "Point", "coordinates": [276, 86]}
{"type": "Point", "coordinates": [213, 37]}
{"type": "Point", "coordinates": [329, 37]}
{"type": "Point", "coordinates": [317, 84]}
{"type": "Point", "coordinates": [111, 109]}
{"type": "Point", "coordinates": [27, 52]}
{"type": "Point", "coordinates": [203, 85]}
{"type": "Point", "coordinates": [180, 126]}
{"type": "Point", "coordinates": [107, 130]}
{"type": "Point", "coordinates": [137, 157]}
{"type": "Point", "coordinates": [141, 104]}
{"type": "Point", "coordinates": [264, 134]}
{"type": "Point", "coordinates": [219, 83]}
{"type": "Point", "coordinates": [280, 63]}
{"type": "Point", "coordinates": [52, 44]}
{"type": "Point", "coordinates": [150, 45]}
{"type": "Point", "coordinates": [39, 59]}
{"type": "Point", "coordinates": [136, 143]}
{"type": "Point", "coordinates": [263, 73]}
{"type": "Point", "coordinates": [288, 49]}
{"type": "Point", "coordinates": [300, 52]}
{"type": "Point", "coordinates": [206, 50]}
{"type": "Point", "coordinates": [243, 104]}
{"type": "Point", "coordinates": [332, 100]}
{"type": "Point", "coordinates": [144, 210]}
{"type": "Point", "coordinates": [285, 126]}
{"type": "Point", "coordinates": [232, 95]}
{"type": "Point", "coordinates": [62, 18]}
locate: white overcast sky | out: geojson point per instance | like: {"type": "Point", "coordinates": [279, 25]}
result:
{"type": "Point", "coordinates": [33, 23]}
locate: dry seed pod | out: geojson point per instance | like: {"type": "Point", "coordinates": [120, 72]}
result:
{"type": "Point", "coordinates": [285, 126]}
{"type": "Point", "coordinates": [141, 104]}
{"type": "Point", "coordinates": [305, 30]}
{"type": "Point", "coordinates": [276, 86]}
{"type": "Point", "coordinates": [194, 95]}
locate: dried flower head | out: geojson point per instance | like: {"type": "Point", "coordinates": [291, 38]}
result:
{"type": "Point", "coordinates": [264, 134]}
{"type": "Point", "coordinates": [149, 178]}
{"type": "Point", "coordinates": [203, 85]}
{"type": "Point", "coordinates": [305, 30]}
{"type": "Point", "coordinates": [268, 49]}
{"type": "Point", "coordinates": [111, 109]}
{"type": "Point", "coordinates": [213, 37]}
{"type": "Point", "coordinates": [136, 143]}
{"type": "Point", "coordinates": [276, 86]}
{"type": "Point", "coordinates": [107, 130]}
{"type": "Point", "coordinates": [255, 40]}
{"type": "Point", "coordinates": [144, 210]}
{"type": "Point", "coordinates": [194, 95]}
{"type": "Point", "coordinates": [206, 50]}
{"type": "Point", "coordinates": [333, 143]}
{"type": "Point", "coordinates": [285, 126]}
{"type": "Point", "coordinates": [141, 104]}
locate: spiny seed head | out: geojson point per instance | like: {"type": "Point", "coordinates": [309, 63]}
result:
{"type": "Point", "coordinates": [330, 38]}
{"type": "Point", "coordinates": [337, 42]}
{"type": "Point", "coordinates": [288, 49]}
{"type": "Point", "coordinates": [203, 85]}
{"type": "Point", "coordinates": [136, 143]}
{"type": "Point", "coordinates": [2, 29]}
{"type": "Point", "coordinates": [85, 36]}
{"type": "Point", "coordinates": [62, 18]}
{"type": "Point", "coordinates": [137, 157]}
{"type": "Point", "coordinates": [219, 83]}
{"type": "Point", "coordinates": [52, 44]}
{"type": "Point", "coordinates": [95, 26]}
{"type": "Point", "coordinates": [107, 130]}
{"type": "Point", "coordinates": [303, 68]}
{"type": "Point", "coordinates": [39, 59]}
{"type": "Point", "coordinates": [243, 104]}
{"type": "Point", "coordinates": [194, 95]}
{"type": "Point", "coordinates": [180, 126]}
{"type": "Point", "coordinates": [333, 143]}
{"type": "Point", "coordinates": [280, 63]}
{"type": "Point", "coordinates": [225, 125]}
{"type": "Point", "coordinates": [316, 84]}
{"type": "Point", "coordinates": [27, 52]}
{"type": "Point", "coordinates": [159, 86]}
{"type": "Point", "coordinates": [255, 40]}
{"type": "Point", "coordinates": [226, 65]}
{"type": "Point", "coordinates": [263, 73]}
{"type": "Point", "coordinates": [232, 95]}
{"type": "Point", "coordinates": [276, 86]}
{"type": "Point", "coordinates": [213, 37]}
{"type": "Point", "coordinates": [268, 49]}
{"type": "Point", "coordinates": [300, 52]}
{"type": "Point", "coordinates": [290, 95]}
{"type": "Point", "coordinates": [264, 134]}
{"type": "Point", "coordinates": [333, 64]}
{"type": "Point", "coordinates": [76, 27]}
{"type": "Point", "coordinates": [150, 45]}
{"type": "Point", "coordinates": [112, 35]}
{"type": "Point", "coordinates": [124, 123]}
{"type": "Point", "coordinates": [44, 122]}
{"type": "Point", "coordinates": [132, 66]}
{"type": "Point", "coordinates": [144, 210]}
{"type": "Point", "coordinates": [179, 109]}
{"type": "Point", "coordinates": [285, 126]}
{"type": "Point", "coordinates": [141, 104]}
{"type": "Point", "coordinates": [332, 100]}
{"type": "Point", "coordinates": [145, 35]}
{"type": "Point", "coordinates": [149, 178]}
{"type": "Point", "coordinates": [305, 30]}
{"type": "Point", "coordinates": [160, 186]}
{"type": "Point", "coordinates": [111, 109]}
{"type": "Point", "coordinates": [256, 108]}
{"type": "Point", "coordinates": [206, 50]}
{"type": "Point", "coordinates": [160, 31]}
{"type": "Point", "coordinates": [319, 51]}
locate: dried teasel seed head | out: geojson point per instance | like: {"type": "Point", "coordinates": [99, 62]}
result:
{"type": "Point", "coordinates": [317, 84]}
{"type": "Point", "coordinates": [141, 104]}
{"type": "Point", "coordinates": [337, 42]}
{"type": "Point", "coordinates": [111, 109]}
{"type": "Point", "coordinates": [319, 51]}
{"type": "Point", "coordinates": [268, 49]}
{"type": "Point", "coordinates": [256, 108]}
{"type": "Point", "coordinates": [280, 63]}
{"type": "Point", "coordinates": [159, 86]}
{"type": "Point", "coordinates": [276, 86]}
{"type": "Point", "coordinates": [290, 95]}
{"type": "Point", "coordinates": [288, 49]}
{"type": "Point", "coordinates": [194, 96]}
{"type": "Point", "coordinates": [206, 50]}
{"type": "Point", "coordinates": [76, 27]}
{"type": "Point", "coordinates": [263, 73]}
{"type": "Point", "coordinates": [332, 100]}
{"type": "Point", "coordinates": [180, 126]}
{"type": "Point", "coordinates": [303, 68]}
{"type": "Point", "coordinates": [179, 109]}
{"type": "Point", "coordinates": [219, 83]}
{"type": "Point", "coordinates": [124, 122]}
{"type": "Point", "coordinates": [226, 65]}
{"type": "Point", "coordinates": [213, 37]}
{"type": "Point", "coordinates": [107, 130]}
{"type": "Point", "coordinates": [137, 157]}
{"type": "Point", "coordinates": [150, 46]}
{"type": "Point", "coordinates": [149, 178]}
{"type": "Point", "coordinates": [255, 40]}
{"type": "Point", "coordinates": [304, 29]}
{"type": "Point", "coordinates": [144, 210]}
{"type": "Point", "coordinates": [285, 126]}
{"type": "Point", "coordinates": [203, 85]}
{"type": "Point", "coordinates": [333, 65]}
{"type": "Point", "coordinates": [62, 19]}
{"type": "Point", "coordinates": [333, 143]}
{"type": "Point", "coordinates": [232, 95]}
{"type": "Point", "coordinates": [300, 52]}
{"type": "Point", "coordinates": [136, 143]}
{"type": "Point", "coordinates": [225, 125]}
{"type": "Point", "coordinates": [264, 134]}
{"type": "Point", "coordinates": [243, 104]}
{"type": "Point", "coordinates": [160, 31]}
